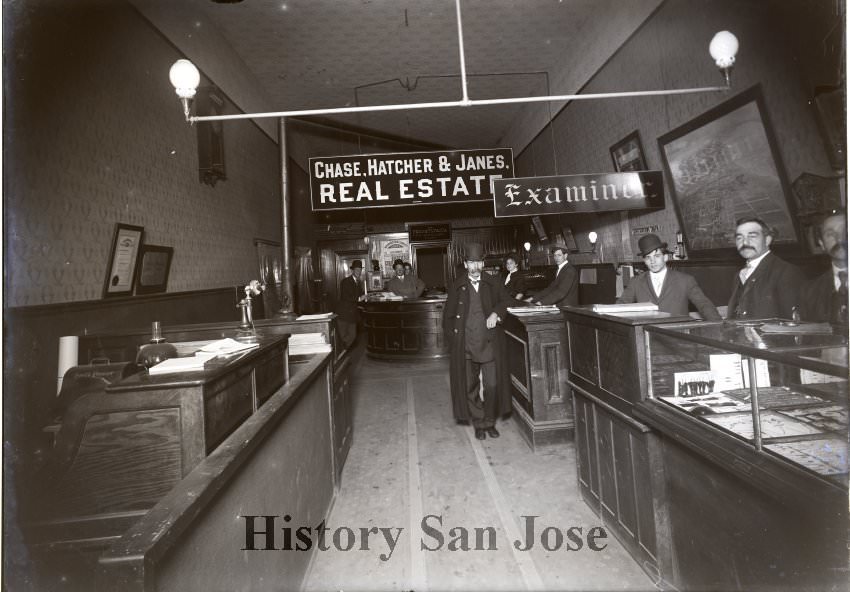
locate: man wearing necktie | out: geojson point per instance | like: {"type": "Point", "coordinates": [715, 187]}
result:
{"type": "Point", "coordinates": [351, 291]}
{"type": "Point", "coordinates": [767, 286]}
{"type": "Point", "coordinates": [825, 297]}
{"type": "Point", "coordinates": [476, 303]}
{"type": "Point", "coordinates": [563, 290]}
{"type": "Point", "coordinates": [671, 290]}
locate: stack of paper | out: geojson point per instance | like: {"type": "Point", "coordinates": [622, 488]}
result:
{"type": "Point", "coordinates": [625, 308]}
{"type": "Point", "coordinates": [526, 310]}
{"type": "Point", "coordinates": [185, 364]}
{"type": "Point", "coordinates": [314, 317]}
{"type": "Point", "coordinates": [227, 346]}
{"type": "Point", "coordinates": [308, 343]}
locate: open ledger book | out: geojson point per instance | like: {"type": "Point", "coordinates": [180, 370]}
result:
{"type": "Point", "coordinates": [222, 347]}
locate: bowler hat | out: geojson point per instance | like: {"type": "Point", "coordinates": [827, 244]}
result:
{"type": "Point", "coordinates": [648, 243]}
{"type": "Point", "coordinates": [357, 263]}
{"type": "Point", "coordinates": [474, 252]}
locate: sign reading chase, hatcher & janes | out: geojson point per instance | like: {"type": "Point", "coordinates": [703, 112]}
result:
{"type": "Point", "coordinates": [566, 194]}
{"type": "Point", "coordinates": [406, 178]}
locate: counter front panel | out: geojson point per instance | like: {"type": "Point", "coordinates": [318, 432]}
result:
{"type": "Point", "coordinates": [410, 328]}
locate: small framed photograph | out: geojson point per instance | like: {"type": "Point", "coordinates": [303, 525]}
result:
{"type": "Point", "coordinates": [375, 281]}
{"type": "Point", "coordinates": [123, 258]}
{"type": "Point", "coordinates": [154, 266]}
{"type": "Point", "coordinates": [627, 154]}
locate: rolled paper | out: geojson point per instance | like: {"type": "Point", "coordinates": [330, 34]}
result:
{"type": "Point", "coordinates": [68, 347]}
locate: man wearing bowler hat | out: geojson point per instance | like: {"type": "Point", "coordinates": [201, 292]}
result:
{"type": "Point", "coordinates": [351, 291]}
{"type": "Point", "coordinates": [476, 303]}
{"type": "Point", "coordinates": [671, 290]}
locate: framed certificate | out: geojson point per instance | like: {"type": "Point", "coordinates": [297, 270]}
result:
{"type": "Point", "coordinates": [123, 258]}
{"type": "Point", "coordinates": [154, 266]}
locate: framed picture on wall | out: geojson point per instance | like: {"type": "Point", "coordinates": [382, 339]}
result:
{"type": "Point", "coordinates": [724, 165]}
{"type": "Point", "coordinates": [123, 258]}
{"type": "Point", "coordinates": [154, 266]}
{"type": "Point", "coordinates": [627, 154]}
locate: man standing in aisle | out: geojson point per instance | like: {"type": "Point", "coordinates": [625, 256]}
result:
{"type": "Point", "coordinates": [408, 286]}
{"type": "Point", "coordinates": [351, 291]}
{"type": "Point", "coordinates": [563, 290]}
{"type": "Point", "coordinates": [767, 286]}
{"type": "Point", "coordinates": [476, 303]}
{"type": "Point", "coordinates": [825, 298]}
{"type": "Point", "coordinates": [671, 290]}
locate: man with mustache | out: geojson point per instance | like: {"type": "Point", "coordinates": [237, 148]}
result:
{"type": "Point", "coordinates": [476, 303]}
{"type": "Point", "coordinates": [408, 286]}
{"type": "Point", "coordinates": [767, 286]}
{"type": "Point", "coordinates": [825, 298]}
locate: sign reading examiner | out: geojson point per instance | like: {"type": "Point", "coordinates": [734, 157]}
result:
{"type": "Point", "coordinates": [406, 178]}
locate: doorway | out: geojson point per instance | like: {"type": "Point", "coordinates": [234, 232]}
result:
{"type": "Point", "coordinates": [431, 263]}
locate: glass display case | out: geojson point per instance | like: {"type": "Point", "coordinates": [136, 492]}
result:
{"type": "Point", "coordinates": [778, 387]}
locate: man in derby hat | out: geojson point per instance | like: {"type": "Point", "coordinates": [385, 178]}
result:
{"type": "Point", "coordinates": [563, 290]}
{"type": "Point", "coordinates": [476, 303]}
{"type": "Point", "coordinates": [402, 284]}
{"type": "Point", "coordinates": [671, 290]}
{"type": "Point", "coordinates": [351, 291]}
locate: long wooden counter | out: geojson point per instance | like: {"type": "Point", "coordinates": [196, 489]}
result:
{"type": "Point", "coordinates": [405, 329]}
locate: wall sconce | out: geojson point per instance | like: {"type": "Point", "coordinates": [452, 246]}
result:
{"type": "Point", "coordinates": [185, 78]}
{"type": "Point", "coordinates": [526, 249]}
{"type": "Point", "coordinates": [723, 48]}
{"type": "Point", "coordinates": [592, 237]}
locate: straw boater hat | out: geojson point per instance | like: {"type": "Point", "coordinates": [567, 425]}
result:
{"type": "Point", "coordinates": [474, 252]}
{"type": "Point", "coordinates": [648, 243]}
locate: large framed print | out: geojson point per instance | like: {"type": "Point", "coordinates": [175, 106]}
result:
{"type": "Point", "coordinates": [627, 154]}
{"type": "Point", "coordinates": [154, 267]}
{"type": "Point", "coordinates": [724, 165]}
{"type": "Point", "coordinates": [123, 258]}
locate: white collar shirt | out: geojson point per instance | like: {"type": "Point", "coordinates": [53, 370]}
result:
{"type": "Point", "coordinates": [658, 280]}
{"type": "Point", "coordinates": [560, 267]}
{"type": "Point", "coordinates": [751, 266]}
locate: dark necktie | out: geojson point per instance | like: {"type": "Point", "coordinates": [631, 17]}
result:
{"type": "Point", "coordinates": [842, 279]}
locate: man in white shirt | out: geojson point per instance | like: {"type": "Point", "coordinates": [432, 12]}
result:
{"type": "Point", "coordinates": [671, 290]}
{"type": "Point", "coordinates": [563, 291]}
{"type": "Point", "coordinates": [767, 286]}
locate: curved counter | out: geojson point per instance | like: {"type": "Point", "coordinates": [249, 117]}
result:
{"type": "Point", "coordinates": [405, 329]}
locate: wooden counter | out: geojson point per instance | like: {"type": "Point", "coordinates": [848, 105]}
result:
{"type": "Point", "coordinates": [405, 329]}
{"type": "Point", "coordinates": [535, 367]}
{"type": "Point", "coordinates": [620, 472]}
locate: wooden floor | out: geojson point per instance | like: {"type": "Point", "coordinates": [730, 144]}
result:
{"type": "Point", "coordinates": [409, 460]}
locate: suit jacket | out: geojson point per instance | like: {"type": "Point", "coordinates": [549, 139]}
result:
{"type": "Point", "coordinates": [772, 290]}
{"type": "Point", "coordinates": [677, 290]}
{"type": "Point", "coordinates": [409, 286]}
{"type": "Point", "coordinates": [494, 298]}
{"type": "Point", "coordinates": [563, 290]}
{"type": "Point", "coordinates": [821, 302]}
{"type": "Point", "coordinates": [346, 307]}
{"type": "Point", "coordinates": [516, 285]}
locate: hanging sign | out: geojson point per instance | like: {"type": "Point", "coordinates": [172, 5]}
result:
{"type": "Point", "coordinates": [429, 232]}
{"type": "Point", "coordinates": [568, 194]}
{"type": "Point", "coordinates": [406, 178]}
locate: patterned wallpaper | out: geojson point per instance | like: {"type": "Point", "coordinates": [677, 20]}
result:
{"type": "Point", "coordinates": [95, 136]}
{"type": "Point", "coordinates": [585, 130]}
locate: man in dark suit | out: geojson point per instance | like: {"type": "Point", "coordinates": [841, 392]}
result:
{"type": "Point", "coordinates": [476, 303]}
{"type": "Point", "coordinates": [767, 286]}
{"type": "Point", "coordinates": [825, 297]}
{"type": "Point", "coordinates": [351, 291]}
{"type": "Point", "coordinates": [514, 283]}
{"type": "Point", "coordinates": [563, 290]}
{"type": "Point", "coordinates": [671, 290]}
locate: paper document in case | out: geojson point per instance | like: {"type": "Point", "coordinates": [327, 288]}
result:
{"type": "Point", "coordinates": [314, 317]}
{"type": "Point", "coordinates": [628, 307]}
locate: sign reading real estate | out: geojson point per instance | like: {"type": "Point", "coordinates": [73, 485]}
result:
{"type": "Point", "coordinates": [406, 178]}
{"type": "Point", "coordinates": [566, 194]}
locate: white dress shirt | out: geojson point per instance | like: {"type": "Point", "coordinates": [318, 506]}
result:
{"type": "Point", "coordinates": [658, 280]}
{"type": "Point", "coordinates": [745, 273]}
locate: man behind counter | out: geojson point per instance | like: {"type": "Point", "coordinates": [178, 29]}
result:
{"type": "Point", "coordinates": [825, 297]}
{"type": "Point", "coordinates": [408, 286]}
{"type": "Point", "coordinates": [563, 290]}
{"type": "Point", "coordinates": [671, 290]}
{"type": "Point", "coordinates": [767, 286]}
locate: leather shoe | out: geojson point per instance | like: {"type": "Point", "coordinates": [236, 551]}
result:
{"type": "Point", "coordinates": [480, 433]}
{"type": "Point", "coordinates": [463, 422]}
{"type": "Point", "coordinates": [493, 432]}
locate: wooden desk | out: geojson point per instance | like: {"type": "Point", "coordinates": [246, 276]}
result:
{"type": "Point", "coordinates": [620, 472]}
{"type": "Point", "coordinates": [535, 367]}
{"type": "Point", "coordinates": [405, 329]}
